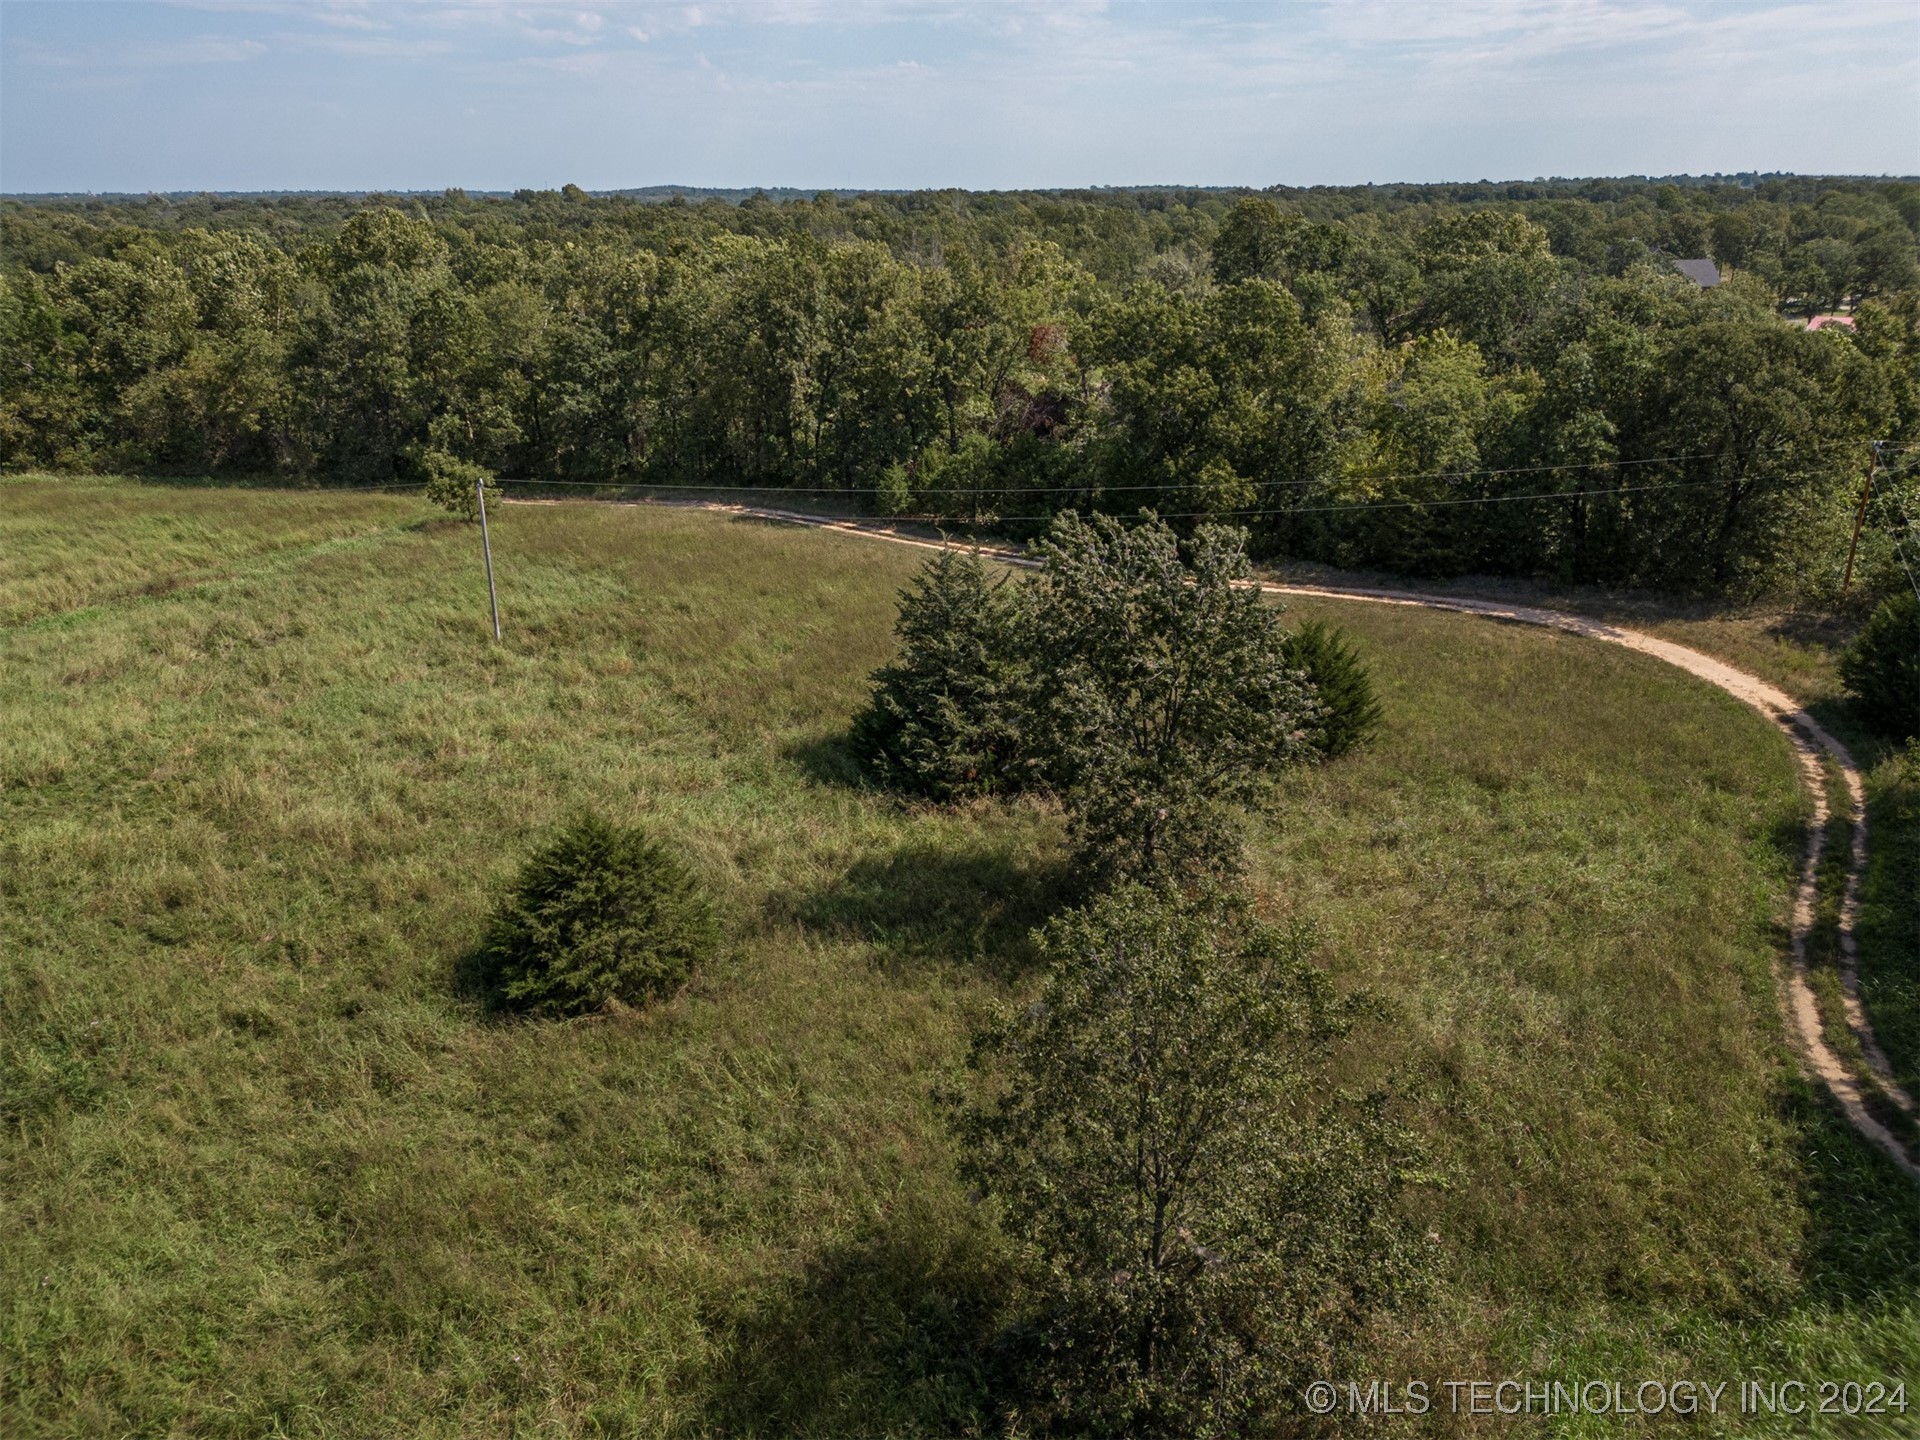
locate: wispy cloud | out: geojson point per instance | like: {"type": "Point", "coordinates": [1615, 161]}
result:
{"type": "Point", "coordinates": [385, 47]}
{"type": "Point", "coordinates": [198, 50]}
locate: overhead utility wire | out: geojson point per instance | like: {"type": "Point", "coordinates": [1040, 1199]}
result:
{"type": "Point", "coordinates": [1314, 509]}
{"type": "Point", "coordinates": [1422, 504]}
{"type": "Point", "coordinates": [1118, 489]}
{"type": "Point", "coordinates": [1890, 499]}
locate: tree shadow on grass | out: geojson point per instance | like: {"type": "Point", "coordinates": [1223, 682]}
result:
{"type": "Point", "coordinates": [828, 760]}
{"type": "Point", "coordinates": [1812, 629]}
{"type": "Point", "coordinates": [888, 1333]}
{"type": "Point", "coordinates": [1862, 1245]}
{"type": "Point", "coordinates": [474, 977]}
{"type": "Point", "coordinates": [929, 902]}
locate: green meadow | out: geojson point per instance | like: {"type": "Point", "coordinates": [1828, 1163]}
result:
{"type": "Point", "coordinates": [266, 1169]}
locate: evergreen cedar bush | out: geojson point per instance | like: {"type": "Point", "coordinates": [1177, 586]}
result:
{"type": "Point", "coordinates": [601, 913]}
{"type": "Point", "coordinates": [942, 720]}
{"type": "Point", "coordinates": [1349, 711]}
{"type": "Point", "coordinates": [1203, 1225]}
{"type": "Point", "coordinates": [1882, 667]}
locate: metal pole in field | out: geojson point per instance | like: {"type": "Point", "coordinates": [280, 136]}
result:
{"type": "Point", "coordinates": [486, 548]}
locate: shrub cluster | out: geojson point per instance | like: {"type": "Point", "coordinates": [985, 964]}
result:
{"type": "Point", "coordinates": [1196, 1240]}
{"type": "Point", "coordinates": [1137, 678]}
{"type": "Point", "coordinates": [601, 913]}
{"type": "Point", "coordinates": [1882, 667]}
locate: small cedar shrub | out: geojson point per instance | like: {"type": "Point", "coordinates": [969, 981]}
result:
{"type": "Point", "coordinates": [1882, 667]}
{"type": "Point", "coordinates": [1349, 710]}
{"type": "Point", "coordinates": [600, 913]}
{"type": "Point", "coordinates": [943, 720]}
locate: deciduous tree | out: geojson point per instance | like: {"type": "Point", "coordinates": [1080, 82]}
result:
{"type": "Point", "coordinates": [1162, 701]}
{"type": "Point", "coordinates": [1205, 1227]}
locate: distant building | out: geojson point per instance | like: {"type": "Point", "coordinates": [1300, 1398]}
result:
{"type": "Point", "coordinates": [1821, 322]}
{"type": "Point", "coordinates": [1702, 272]}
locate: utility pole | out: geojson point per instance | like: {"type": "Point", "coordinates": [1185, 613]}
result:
{"type": "Point", "coordinates": [486, 548]}
{"type": "Point", "coordinates": [1859, 516]}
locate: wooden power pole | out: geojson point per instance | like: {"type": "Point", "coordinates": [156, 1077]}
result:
{"type": "Point", "coordinates": [1859, 516]}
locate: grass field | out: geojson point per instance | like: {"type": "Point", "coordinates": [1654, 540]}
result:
{"type": "Point", "coordinates": [265, 1171]}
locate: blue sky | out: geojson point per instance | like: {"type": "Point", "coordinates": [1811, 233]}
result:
{"type": "Point", "coordinates": [135, 95]}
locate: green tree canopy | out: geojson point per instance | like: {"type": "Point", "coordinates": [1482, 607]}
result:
{"type": "Point", "coordinates": [1206, 1229]}
{"type": "Point", "coordinates": [1162, 700]}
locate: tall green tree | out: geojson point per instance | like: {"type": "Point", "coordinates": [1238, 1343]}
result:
{"type": "Point", "coordinates": [1486, 275]}
{"type": "Point", "coordinates": [1205, 1226]}
{"type": "Point", "coordinates": [1211, 404]}
{"type": "Point", "coordinates": [1258, 241]}
{"type": "Point", "coordinates": [391, 345]}
{"type": "Point", "coordinates": [1766, 413]}
{"type": "Point", "coordinates": [1162, 702]}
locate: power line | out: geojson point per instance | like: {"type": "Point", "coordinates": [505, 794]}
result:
{"type": "Point", "coordinates": [1094, 488]}
{"type": "Point", "coordinates": [1892, 499]}
{"type": "Point", "coordinates": [1423, 504]}
{"type": "Point", "coordinates": [1256, 513]}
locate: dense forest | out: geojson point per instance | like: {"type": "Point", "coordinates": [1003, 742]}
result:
{"type": "Point", "coordinates": [1432, 379]}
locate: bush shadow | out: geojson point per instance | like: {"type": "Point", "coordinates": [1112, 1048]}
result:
{"type": "Point", "coordinates": [1814, 630]}
{"type": "Point", "coordinates": [891, 1332]}
{"type": "Point", "coordinates": [1862, 1245]}
{"type": "Point", "coordinates": [927, 902]}
{"type": "Point", "coordinates": [474, 977]}
{"type": "Point", "coordinates": [828, 760]}
{"type": "Point", "coordinates": [1840, 717]}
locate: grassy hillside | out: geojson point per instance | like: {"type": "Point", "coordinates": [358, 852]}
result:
{"type": "Point", "coordinates": [266, 1171]}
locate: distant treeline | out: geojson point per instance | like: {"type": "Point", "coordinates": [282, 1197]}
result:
{"type": "Point", "coordinates": [1503, 378]}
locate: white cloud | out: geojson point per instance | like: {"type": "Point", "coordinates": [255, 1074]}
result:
{"type": "Point", "coordinates": [372, 46]}
{"type": "Point", "coordinates": [200, 50]}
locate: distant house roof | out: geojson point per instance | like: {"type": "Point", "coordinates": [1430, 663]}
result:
{"type": "Point", "coordinates": [1820, 322]}
{"type": "Point", "coordinates": [1703, 273]}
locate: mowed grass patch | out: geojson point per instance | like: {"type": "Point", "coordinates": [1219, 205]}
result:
{"type": "Point", "coordinates": [265, 1169]}
{"type": "Point", "coordinates": [1583, 989]}
{"type": "Point", "coordinates": [1800, 655]}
